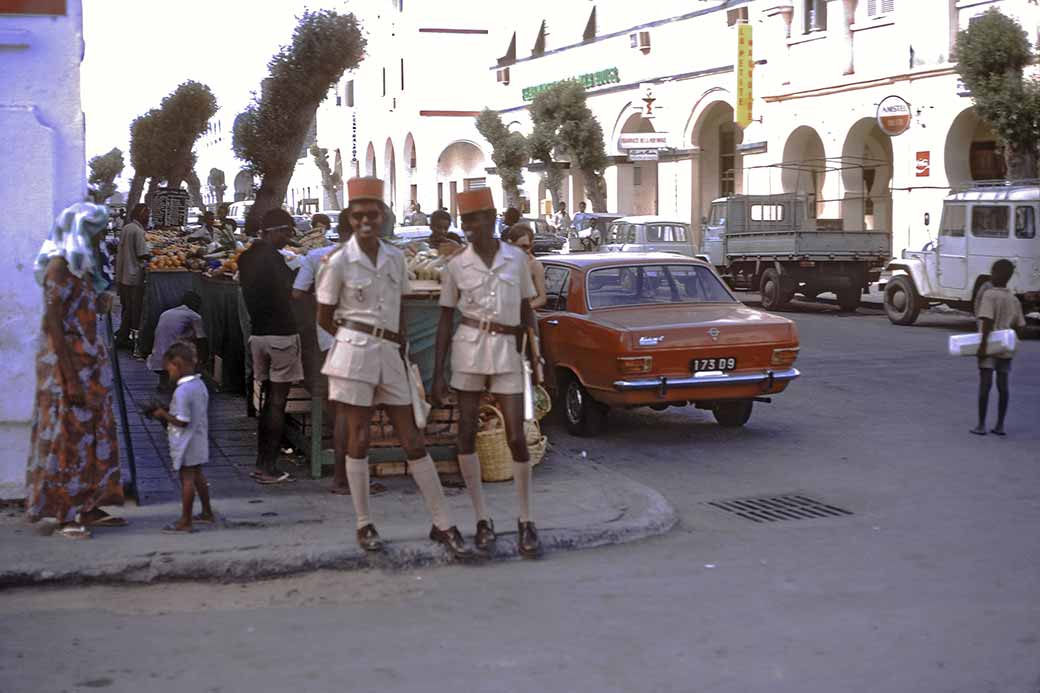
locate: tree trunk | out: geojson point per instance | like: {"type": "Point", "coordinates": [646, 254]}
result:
{"type": "Point", "coordinates": [1021, 162]}
{"type": "Point", "coordinates": [195, 190]}
{"type": "Point", "coordinates": [595, 189]}
{"type": "Point", "coordinates": [136, 188]}
{"type": "Point", "coordinates": [554, 182]}
{"type": "Point", "coordinates": [268, 197]}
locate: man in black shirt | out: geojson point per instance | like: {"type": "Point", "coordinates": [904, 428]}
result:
{"type": "Point", "coordinates": [275, 343]}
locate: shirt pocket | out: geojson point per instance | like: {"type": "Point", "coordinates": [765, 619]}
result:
{"type": "Point", "coordinates": [359, 290]}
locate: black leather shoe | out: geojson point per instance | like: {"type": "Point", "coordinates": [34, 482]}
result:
{"type": "Point", "coordinates": [451, 538]}
{"type": "Point", "coordinates": [486, 536]}
{"type": "Point", "coordinates": [527, 541]}
{"type": "Point", "coordinates": [368, 538]}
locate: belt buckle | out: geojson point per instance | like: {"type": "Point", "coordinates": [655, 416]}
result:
{"type": "Point", "coordinates": [485, 325]}
{"type": "Point", "coordinates": [378, 332]}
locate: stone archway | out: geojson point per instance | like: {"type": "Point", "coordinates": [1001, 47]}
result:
{"type": "Point", "coordinates": [411, 161]}
{"type": "Point", "coordinates": [243, 186]}
{"type": "Point", "coordinates": [866, 175]}
{"type": "Point", "coordinates": [971, 151]}
{"type": "Point", "coordinates": [460, 167]}
{"type": "Point", "coordinates": [719, 170]}
{"type": "Point", "coordinates": [370, 161]}
{"type": "Point", "coordinates": [637, 180]}
{"type": "Point", "coordinates": [805, 170]}
{"type": "Point", "coordinates": [390, 175]}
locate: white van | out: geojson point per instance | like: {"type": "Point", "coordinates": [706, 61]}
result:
{"type": "Point", "coordinates": [981, 223]}
{"type": "Point", "coordinates": [239, 211]}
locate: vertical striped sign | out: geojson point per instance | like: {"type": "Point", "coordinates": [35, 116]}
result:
{"type": "Point", "coordinates": [744, 68]}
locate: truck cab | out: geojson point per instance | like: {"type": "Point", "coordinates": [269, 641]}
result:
{"type": "Point", "coordinates": [979, 225]}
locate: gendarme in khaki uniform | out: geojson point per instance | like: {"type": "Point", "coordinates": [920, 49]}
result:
{"type": "Point", "coordinates": [482, 358]}
{"type": "Point", "coordinates": [365, 369]}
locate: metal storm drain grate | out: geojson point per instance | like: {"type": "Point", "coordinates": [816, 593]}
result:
{"type": "Point", "coordinates": [776, 508]}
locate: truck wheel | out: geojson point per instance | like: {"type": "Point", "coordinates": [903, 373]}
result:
{"type": "Point", "coordinates": [583, 415]}
{"type": "Point", "coordinates": [733, 414]}
{"type": "Point", "coordinates": [848, 299]}
{"type": "Point", "coordinates": [902, 305]}
{"type": "Point", "coordinates": [772, 293]}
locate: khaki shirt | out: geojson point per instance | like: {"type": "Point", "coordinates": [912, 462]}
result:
{"type": "Point", "coordinates": [132, 245]}
{"type": "Point", "coordinates": [486, 293]}
{"type": "Point", "coordinates": [370, 294]}
{"type": "Point", "coordinates": [1000, 305]}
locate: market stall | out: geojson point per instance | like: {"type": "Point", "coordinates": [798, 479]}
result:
{"type": "Point", "coordinates": [179, 266]}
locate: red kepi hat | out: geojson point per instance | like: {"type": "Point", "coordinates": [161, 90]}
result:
{"type": "Point", "coordinates": [368, 188]}
{"type": "Point", "coordinates": [478, 200]}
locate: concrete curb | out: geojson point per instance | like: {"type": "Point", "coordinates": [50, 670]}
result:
{"type": "Point", "coordinates": [648, 515]}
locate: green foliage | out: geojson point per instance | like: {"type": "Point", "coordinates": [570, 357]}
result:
{"type": "Point", "coordinates": [509, 152]}
{"type": "Point", "coordinates": [146, 145]}
{"type": "Point", "coordinates": [104, 170]}
{"type": "Point", "coordinates": [563, 122]}
{"type": "Point", "coordinates": [268, 134]}
{"type": "Point", "coordinates": [993, 44]}
{"type": "Point", "coordinates": [992, 55]}
{"type": "Point", "coordinates": [162, 139]}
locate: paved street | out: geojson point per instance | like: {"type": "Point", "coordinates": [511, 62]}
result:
{"type": "Point", "coordinates": [932, 583]}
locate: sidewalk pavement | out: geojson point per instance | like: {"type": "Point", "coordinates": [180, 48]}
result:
{"type": "Point", "coordinates": [267, 531]}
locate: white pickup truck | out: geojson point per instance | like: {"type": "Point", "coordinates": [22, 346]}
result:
{"type": "Point", "coordinates": [981, 224]}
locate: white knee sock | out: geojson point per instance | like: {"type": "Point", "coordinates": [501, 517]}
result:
{"type": "Point", "coordinates": [469, 467]}
{"type": "Point", "coordinates": [357, 478]}
{"type": "Point", "coordinates": [522, 480]}
{"type": "Point", "coordinates": [424, 471]}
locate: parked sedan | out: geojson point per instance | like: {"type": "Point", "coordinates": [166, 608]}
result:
{"type": "Point", "coordinates": [648, 234]}
{"type": "Point", "coordinates": [659, 330]}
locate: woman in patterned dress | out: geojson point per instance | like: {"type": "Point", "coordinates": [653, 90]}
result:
{"type": "Point", "coordinates": [73, 466]}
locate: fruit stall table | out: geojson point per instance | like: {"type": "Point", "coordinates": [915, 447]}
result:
{"type": "Point", "coordinates": [164, 289]}
{"type": "Point", "coordinates": [306, 406]}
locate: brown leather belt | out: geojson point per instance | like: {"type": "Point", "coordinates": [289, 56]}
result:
{"type": "Point", "coordinates": [492, 327]}
{"type": "Point", "coordinates": [377, 332]}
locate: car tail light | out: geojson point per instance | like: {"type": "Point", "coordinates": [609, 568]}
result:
{"type": "Point", "coordinates": [784, 357]}
{"type": "Point", "coordinates": [635, 364]}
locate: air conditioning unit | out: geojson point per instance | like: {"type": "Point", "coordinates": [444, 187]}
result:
{"type": "Point", "coordinates": [502, 76]}
{"type": "Point", "coordinates": [641, 41]}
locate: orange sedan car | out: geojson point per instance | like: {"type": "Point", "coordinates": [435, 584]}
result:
{"type": "Point", "coordinates": [656, 330]}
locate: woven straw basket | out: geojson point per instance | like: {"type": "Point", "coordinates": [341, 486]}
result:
{"type": "Point", "coordinates": [496, 459]}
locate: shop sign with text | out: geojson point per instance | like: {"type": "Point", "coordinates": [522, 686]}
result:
{"type": "Point", "coordinates": [893, 115]}
{"type": "Point", "coordinates": [588, 80]}
{"type": "Point", "coordinates": [643, 140]}
{"type": "Point", "coordinates": [643, 155]}
{"type": "Point", "coordinates": [745, 69]}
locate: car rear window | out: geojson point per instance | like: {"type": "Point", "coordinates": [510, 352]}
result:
{"type": "Point", "coordinates": [650, 284]}
{"type": "Point", "coordinates": [666, 233]}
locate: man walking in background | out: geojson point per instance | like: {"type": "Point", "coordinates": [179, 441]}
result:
{"type": "Point", "coordinates": [133, 252]}
{"type": "Point", "coordinates": [275, 343]}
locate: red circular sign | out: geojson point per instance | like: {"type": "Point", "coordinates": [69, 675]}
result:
{"type": "Point", "coordinates": [893, 115]}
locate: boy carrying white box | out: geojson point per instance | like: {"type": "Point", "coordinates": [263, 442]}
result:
{"type": "Point", "coordinates": [998, 309]}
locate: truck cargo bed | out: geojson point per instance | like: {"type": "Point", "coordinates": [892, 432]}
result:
{"type": "Point", "coordinates": [807, 244]}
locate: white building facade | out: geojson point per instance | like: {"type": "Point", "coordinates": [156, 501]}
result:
{"type": "Point", "coordinates": [407, 114]}
{"type": "Point", "coordinates": [821, 69]}
{"type": "Point", "coordinates": [44, 171]}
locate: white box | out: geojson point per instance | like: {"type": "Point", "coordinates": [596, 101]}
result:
{"type": "Point", "coordinates": [1000, 343]}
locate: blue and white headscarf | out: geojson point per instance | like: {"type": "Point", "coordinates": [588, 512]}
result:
{"type": "Point", "coordinates": [71, 238]}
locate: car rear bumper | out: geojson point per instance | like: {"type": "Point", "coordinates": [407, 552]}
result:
{"type": "Point", "coordinates": [664, 385]}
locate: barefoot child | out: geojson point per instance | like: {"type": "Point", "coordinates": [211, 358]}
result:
{"type": "Point", "coordinates": [998, 309]}
{"type": "Point", "coordinates": [188, 429]}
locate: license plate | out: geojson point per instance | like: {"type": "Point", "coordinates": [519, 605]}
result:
{"type": "Point", "coordinates": [722, 363]}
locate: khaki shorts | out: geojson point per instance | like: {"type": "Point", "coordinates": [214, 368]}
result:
{"type": "Point", "coordinates": [362, 394]}
{"type": "Point", "coordinates": [276, 358]}
{"type": "Point", "coordinates": [498, 384]}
